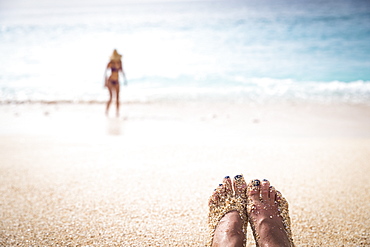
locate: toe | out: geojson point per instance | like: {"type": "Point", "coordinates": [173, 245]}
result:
{"type": "Point", "coordinates": [240, 186]}
{"type": "Point", "coordinates": [227, 185]}
{"type": "Point", "coordinates": [213, 199]}
{"type": "Point", "coordinates": [221, 191]}
{"type": "Point", "coordinates": [265, 190]}
{"type": "Point", "coordinates": [254, 190]}
{"type": "Point", "coordinates": [273, 195]}
{"type": "Point", "coordinates": [278, 196]}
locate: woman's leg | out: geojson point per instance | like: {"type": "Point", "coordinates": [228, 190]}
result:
{"type": "Point", "coordinates": [110, 99]}
{"type": "Point", "coordinates": [117, 100]}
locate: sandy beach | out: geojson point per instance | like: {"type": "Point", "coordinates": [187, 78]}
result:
{"type": "Point", "coordinates": [69, 176]}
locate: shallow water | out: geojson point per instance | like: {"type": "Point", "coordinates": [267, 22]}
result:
{"type": "Point", "coordinates": [230, 50]}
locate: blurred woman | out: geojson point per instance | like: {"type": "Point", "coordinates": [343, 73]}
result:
{"type": "Point", "coordinates": [112, 82]}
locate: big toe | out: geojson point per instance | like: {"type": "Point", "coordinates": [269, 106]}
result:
{"type": "Point", "coordinates": [240, 186]}
{"type": "Point", "coordinates": [254, 190]}
{"type": "Point", "coordinates": [265, 191]}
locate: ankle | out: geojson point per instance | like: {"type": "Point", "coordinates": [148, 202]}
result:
{"type": "Point", "coordinates": [272, 234]}
{"type": "Point", "coordinates": [229, 231]}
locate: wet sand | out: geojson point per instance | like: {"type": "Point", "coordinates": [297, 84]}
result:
{"type": "Point", "coordinates": [71, 177]}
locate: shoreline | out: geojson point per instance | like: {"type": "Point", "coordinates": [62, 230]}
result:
{"type": "Point", "coordinates": [277, 119]}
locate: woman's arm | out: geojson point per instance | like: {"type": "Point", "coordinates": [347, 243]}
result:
{"type": "Point", "coordinates": [106, 76]}
{"type": "Point", "coordinates": [123, 73]}
{"type": "Point", "coordinates": [124, 78]}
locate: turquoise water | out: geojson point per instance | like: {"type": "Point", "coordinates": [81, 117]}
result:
{"type": "Point", "coordinates": [240, 50]}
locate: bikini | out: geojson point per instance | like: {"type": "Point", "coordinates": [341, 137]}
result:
{"type": "Point", "coordinates": [114, 82]}
{"type": "Point", "coordinates": [114, 69]}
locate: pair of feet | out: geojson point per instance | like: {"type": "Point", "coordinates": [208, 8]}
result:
{"type": "Point", "coordinates": [235, 203]}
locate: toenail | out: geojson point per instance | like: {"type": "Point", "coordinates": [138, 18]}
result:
{"type": "Point", "coordinates": [264, 180]}
{"type": "Point", "coordinates": [227, 177]}
{"type": "Point", "coordinates": [256, 182]}
{"type": "Point", "coordinates": [220, 185]}
{"type": "Point", "coordinates": [237, 177]}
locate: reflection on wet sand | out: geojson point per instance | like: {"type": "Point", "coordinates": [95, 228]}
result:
{"type": "Point", "coordinates": [114, 126]}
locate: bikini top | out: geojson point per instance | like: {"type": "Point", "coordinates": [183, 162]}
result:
{"type": "Point", "coordinates": [114, 69]}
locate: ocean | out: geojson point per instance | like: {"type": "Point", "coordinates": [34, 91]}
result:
{"type": "Point", "coordinates": [236, 50]}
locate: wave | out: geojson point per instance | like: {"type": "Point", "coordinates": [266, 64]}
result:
{"type": "Point", "coordinates": [232, 89]}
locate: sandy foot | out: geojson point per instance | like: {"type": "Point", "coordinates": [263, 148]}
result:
{"type": "Point", "coordinates": [268, 215]}
{"type": "Point", "coordinates": [227, 213]}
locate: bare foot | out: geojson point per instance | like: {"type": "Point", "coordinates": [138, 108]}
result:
{"type": "Point", "coordinates": [268, 215]}
{"type": "Point", "coordinates": [227, 213]}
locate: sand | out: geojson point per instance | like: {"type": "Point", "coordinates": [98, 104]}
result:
{"type": "Point", "coordinates": [69, 176]}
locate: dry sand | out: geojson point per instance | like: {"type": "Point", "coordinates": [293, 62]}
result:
{"type": "Point", "coordinates": [71, 177]}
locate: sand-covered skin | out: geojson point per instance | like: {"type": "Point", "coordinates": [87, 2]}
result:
{"type": "Point", "coordinates": [268, 214]}
{"type": "Point", "coordinates": [71, 177]}
{"type": "Point", "coordinates": [227, 197]}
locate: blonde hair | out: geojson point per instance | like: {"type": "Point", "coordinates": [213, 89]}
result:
{"type": "Point", "coordinates": [115, 56]}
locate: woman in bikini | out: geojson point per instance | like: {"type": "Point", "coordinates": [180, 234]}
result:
{"type": "Point", "coordinates": [112, 82]}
